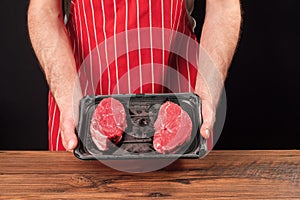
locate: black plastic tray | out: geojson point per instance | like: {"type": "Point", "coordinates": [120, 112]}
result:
{"type": "Point", "coordinates": [141, 112]}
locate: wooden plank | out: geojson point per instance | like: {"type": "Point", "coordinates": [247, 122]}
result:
{"type": "Point", "coordinates": [220, 175]}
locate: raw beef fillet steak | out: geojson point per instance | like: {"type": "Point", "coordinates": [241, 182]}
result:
{"type": "Point", "coordinates": [173, 128]}
{"type": "Point", "coordinates": [108, 123]}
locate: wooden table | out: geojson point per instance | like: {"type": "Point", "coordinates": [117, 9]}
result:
{"type": "Point", "coordinates": [220, 175]}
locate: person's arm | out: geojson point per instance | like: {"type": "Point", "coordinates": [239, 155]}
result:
{"type": "Point", "coordinates": [218, 42]}
{"type": "Point", "coordinates": [51, 44]}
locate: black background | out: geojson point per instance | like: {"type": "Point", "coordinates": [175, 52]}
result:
{"type": "Point", "coordinates": [263, 90]}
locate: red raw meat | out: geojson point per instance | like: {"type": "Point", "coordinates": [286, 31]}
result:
{"type": "Point", "coordinates": [173, 128]}
{"type": "Point", "coordinates": [108, 123]}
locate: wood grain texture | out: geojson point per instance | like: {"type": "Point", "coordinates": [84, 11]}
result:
{"type": "Point", "coordinates": [220, 175]}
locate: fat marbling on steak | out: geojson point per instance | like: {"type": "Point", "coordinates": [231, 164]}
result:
{"type": "Point", "coordinates": [173, 128]}
{"type": "Point", "coordinates": [108, 123]}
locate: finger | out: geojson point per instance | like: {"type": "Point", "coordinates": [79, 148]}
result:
{"type": "Point", "coordinates": [68, 135]}
{"type": "Point", "coordinates": [208, 117]}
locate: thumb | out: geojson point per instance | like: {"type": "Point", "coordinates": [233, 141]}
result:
{"type": "Point", "coordinates": [69, 138]}
{"type": "Point", "coordinates": [208, 119]}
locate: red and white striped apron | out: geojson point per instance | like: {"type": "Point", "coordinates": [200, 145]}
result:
{"type": "Point", "coordinates": [92, 25]}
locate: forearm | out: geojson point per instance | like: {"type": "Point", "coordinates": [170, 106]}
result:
{"type": "Point", "coordinates": [220, 33]}
{"type": "Point", "coordinates": [218, 42]}
{"type": "Point", "coordinates": [52, 46]}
